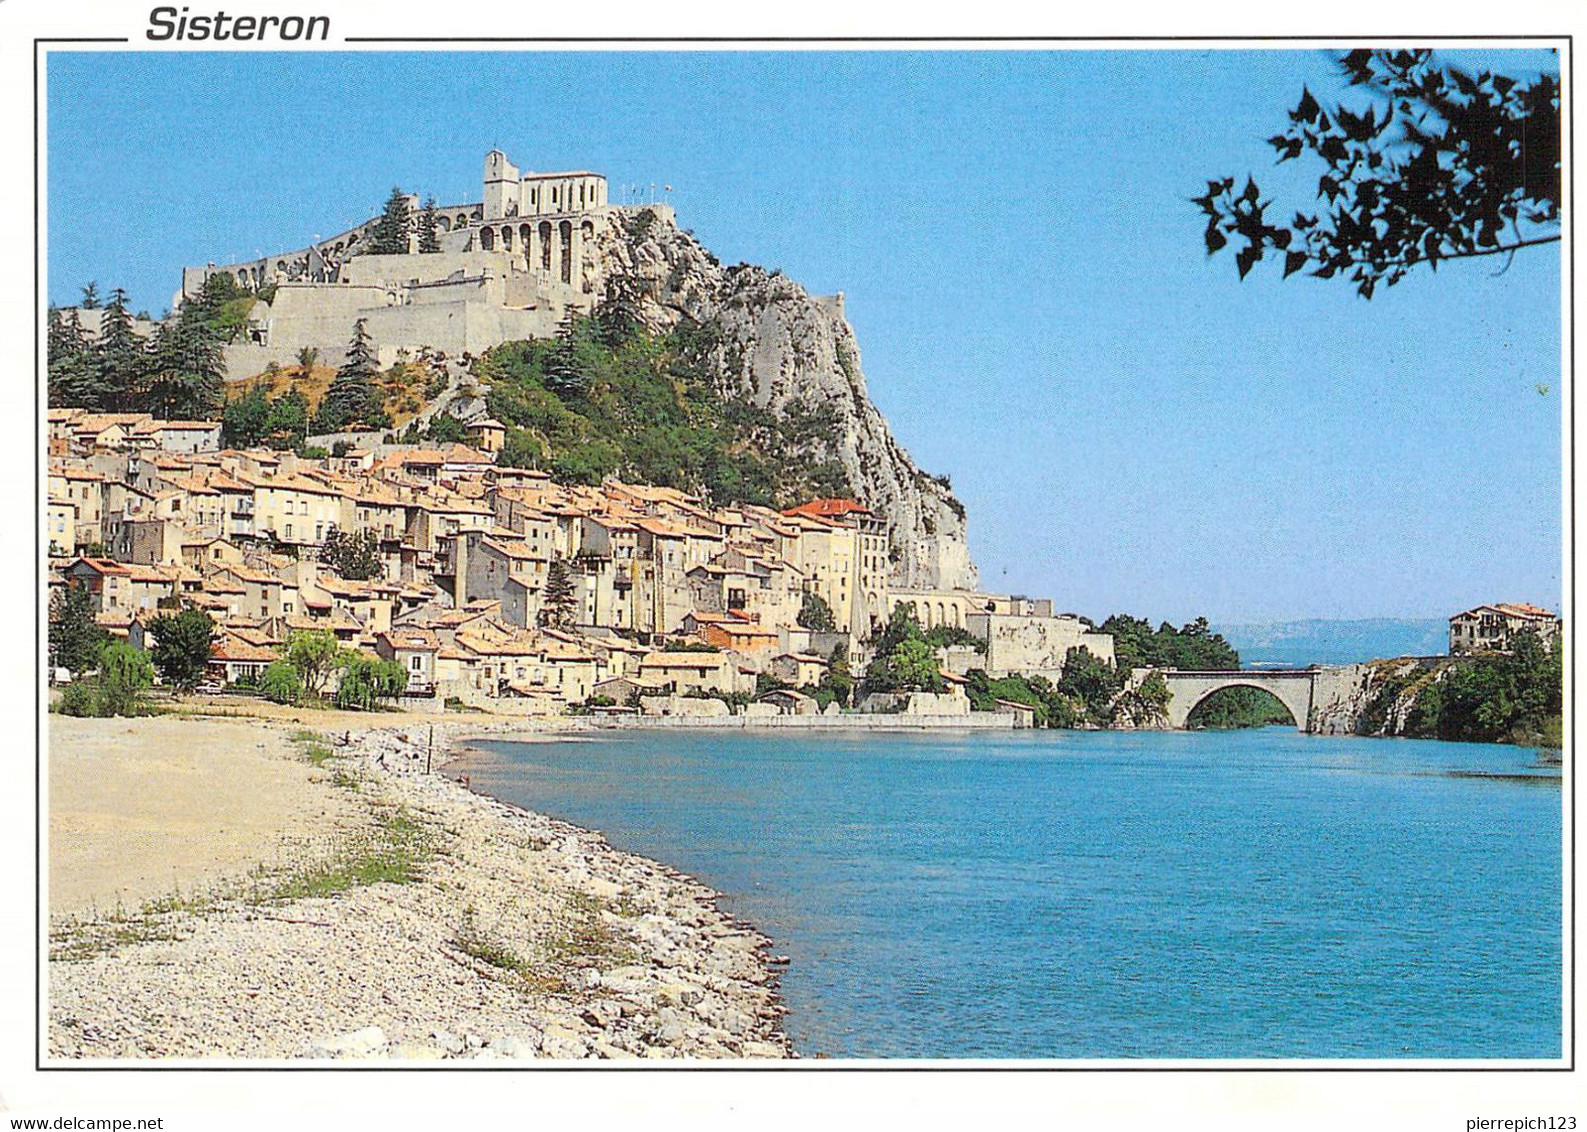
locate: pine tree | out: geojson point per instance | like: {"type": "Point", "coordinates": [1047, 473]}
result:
{"type": "Point", "coordinates": [75, 637]}
{"type": "Point", "coordinates": [352, 397]}
{"type": "Point", "coordinates": [73, 370]}
{"type": "Point", "coordinates": [390, 234]}
{"type": "Point", "coordinates": [558, 604]}
{"type": "Point", "coordinates": [564, 375]}
{"type": "Point", "coordinates": [429, 234]}
{"type": "Point", "coordinates": [90, 296]}
{"type": "Point", "coordinates": [121, 355]}
{"type": "Point", "coordinates": [187, 375]}
{"type": "Point", "coordinates": [619, 315]}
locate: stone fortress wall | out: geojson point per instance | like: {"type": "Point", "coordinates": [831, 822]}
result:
{"type": "Point", "coordinates": [510, 267]}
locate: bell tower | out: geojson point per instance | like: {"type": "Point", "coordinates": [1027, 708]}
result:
{"type": "Point", "coordinates": [501, 185]}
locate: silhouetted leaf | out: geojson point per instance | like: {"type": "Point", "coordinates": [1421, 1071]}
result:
{"type": "Point", "coordinates": [1293, 262]}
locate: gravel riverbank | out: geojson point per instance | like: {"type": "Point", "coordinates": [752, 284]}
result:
{"type": "Point", "coordinates": [447, 925]}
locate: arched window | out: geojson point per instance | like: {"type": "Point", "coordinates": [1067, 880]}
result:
{"type": "Point", "coordinates": [567, 251]}
{"type": "Point", "coordinates": [526, 241]}
{"type": "Point", "coordinates": [545, 245]}
{"type": "Point", "coordinates": [462, 220]}
{"type": "Point", "coordinates": [506, 237]}
{"type": "Point", "coordinates": [487, 240]}
{"type": "Point", "coordinates": [444, 223]}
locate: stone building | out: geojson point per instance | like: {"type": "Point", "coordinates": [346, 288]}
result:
{"type": "Point", "coordinates": [1491, 628]}
{"type": "Point", "coordinates": [510, 267]}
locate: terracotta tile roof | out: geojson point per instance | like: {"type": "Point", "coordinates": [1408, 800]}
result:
{"type": "Point", "coordinates": [828, 508]}
{"type": "Point", "coordinates": [413, 639]}
{"type": "Point", "coordinates": [103, 565]}
{"type": "Point", "coordinates": [231, 647]}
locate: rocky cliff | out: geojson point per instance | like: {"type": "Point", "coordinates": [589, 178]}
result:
{"type": "Point", "coordinates": [793, 356]}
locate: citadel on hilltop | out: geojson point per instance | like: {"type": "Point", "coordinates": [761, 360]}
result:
{"type": "Point", "coordinates": [510, 266]}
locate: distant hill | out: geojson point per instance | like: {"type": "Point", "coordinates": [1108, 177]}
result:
{"type": "Point", "coordinates": [1299, 643]}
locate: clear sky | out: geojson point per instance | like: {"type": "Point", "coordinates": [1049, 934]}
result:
{"type": "Point", "coordinates": [1130, 427]}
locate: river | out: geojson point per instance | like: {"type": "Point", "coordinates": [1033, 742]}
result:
{"type": "Point", "coordinates": [1048, 894]}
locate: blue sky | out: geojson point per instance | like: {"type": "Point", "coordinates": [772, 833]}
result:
{"type": "Point", "coordinates": [1130, 427]}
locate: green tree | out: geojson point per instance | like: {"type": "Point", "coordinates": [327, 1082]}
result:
{"type": "Point", "coordinates": [839, 677]}
{"type": "Point", "coordinates": [287, 424]}
{"type": "Point", "coordinates": [245, 421]}
{"type": "Point", "coordinates": [390, 233]}
{"type": "Point", "coordinates": [444, 428]}
{"type": "Point", "coordinates": [520, 450]}
{"type": "Point", "coordinates": [558, 603]}
{"type": "Point", "coordinates": [307, 357]}
{"type": "Point", "coordinates": [1501, 697]}
{"type": "Point", "coordinates": [182, 643]}
{"type": "Point", "coordinates": [1092, 685]}
{"type": "Point", "coordinates": [281, 683]}
{"type": "Point", "coordinates": [815, 614]}
{"type": "Point", "coordinates": [74, 372]}
{"type": "Point", "coordinates": [901, 626]}
{"type": "Point", "coordinates": [90, 296]}
{"type": "Point", "coordinates": [984, 692]}
{"type": "Point", "coordinates": [1440, 165]}
{"type": "Point", "coordinates": [123, 360]}
{"type": "Point", "coordinates": [429, 231]}
{"type": "Point", "coordinates": [1145, 705]}
{"type": "Point", "coordinates": [909, 667]}
{"type": "Point", "coordinates": [366, 680]}
{"type": "Point", "coordinates": [1192, 646]}
{"type": "Point", "coordinates": [125, 674]}
{"type": "Point", "coordinates": [315, 653]}
{"type": "Point", "coordinates": [619, 316]}
{"type": "Point", "coordinates": [355, 555]}
{"type": "Point", "coordinates": [352, 398]}
{"type": "Point", "coordinates": [186, 374]}
{"type": "Point", "coordinates": [75, 638]}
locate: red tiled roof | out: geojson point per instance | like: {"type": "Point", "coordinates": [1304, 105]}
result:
{"type": "Point", "coordinates": [828, 508]}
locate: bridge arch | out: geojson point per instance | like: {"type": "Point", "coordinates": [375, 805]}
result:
{"type": "Point", "coordinates": [1293, 689]}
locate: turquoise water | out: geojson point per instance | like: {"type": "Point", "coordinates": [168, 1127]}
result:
{"type": "Point", "coordinates": [1104, 895]}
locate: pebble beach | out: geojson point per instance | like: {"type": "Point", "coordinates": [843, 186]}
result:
{"type": "Point", "coordinates": [428, 924]}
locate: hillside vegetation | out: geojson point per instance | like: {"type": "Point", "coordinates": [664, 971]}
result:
{"type": "Point", "coordinates": [1515, 697]}
{"type": "Point", "coordinates": [611, 396]}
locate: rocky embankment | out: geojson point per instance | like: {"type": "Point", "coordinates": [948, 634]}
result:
{"type": "Point", "coordinates": [452, 926]}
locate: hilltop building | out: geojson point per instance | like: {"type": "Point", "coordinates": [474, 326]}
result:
{"type": "Point", "coordinates": [1491, 628]}
{"type": "Point", "coordinates": [511, 265]}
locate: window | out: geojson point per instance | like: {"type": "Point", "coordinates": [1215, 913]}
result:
{"type": "Point", "coordinates": [418, 663]}
{"type": "Point", "coordinates": [289, 530]}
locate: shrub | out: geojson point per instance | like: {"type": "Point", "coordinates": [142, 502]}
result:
{"type": "Point", "coordinates": [79, 699]}
{"type": "Point", "coordinates": [125, 673]}
{"type": "Point", "coordinates": [281, 683]}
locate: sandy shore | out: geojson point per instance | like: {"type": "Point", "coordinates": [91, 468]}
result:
{"type": "Point", "coordinates": [350, 905]}
{"type": "Point", "coordinates": [143, 808]}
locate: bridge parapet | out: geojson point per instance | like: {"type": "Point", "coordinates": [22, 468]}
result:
{"type": "Point", "coordinates": [1294, 688]}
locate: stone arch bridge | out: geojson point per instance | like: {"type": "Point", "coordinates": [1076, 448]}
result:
{"type": "Point", "coordinates": [1301, 690]}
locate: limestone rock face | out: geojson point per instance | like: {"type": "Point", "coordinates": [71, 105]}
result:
{"type": "Point", "coordinates": [794, 354]}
